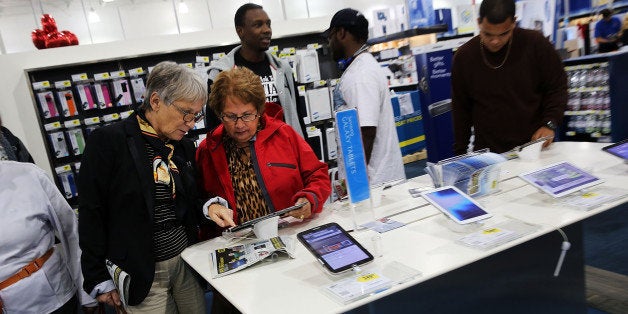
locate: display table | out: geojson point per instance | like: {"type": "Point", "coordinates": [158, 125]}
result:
{"type": "Point", "coordinates": [515, 276]}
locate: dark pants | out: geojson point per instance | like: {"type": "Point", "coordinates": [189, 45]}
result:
{"type": "Point", "coordinates": [70, 307]}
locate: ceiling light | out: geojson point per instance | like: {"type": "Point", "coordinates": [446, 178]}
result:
{"type": "Point", "coordinates": [92, 16]}
{"type": "Point", "coordinates": [183, 8]}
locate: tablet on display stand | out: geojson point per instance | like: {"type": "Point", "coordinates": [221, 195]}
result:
{"type": "Point", "coordinates": [560, 179]}
{"type": "Point", "coordinates": [572, 185]}
{"type": "Point", "coordinates": [464, 213]}
{"type": "Point", "coordinates": [619, 149]}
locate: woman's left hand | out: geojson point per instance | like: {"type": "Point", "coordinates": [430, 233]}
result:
{"type": "Point", "coordinates": [303, 212]}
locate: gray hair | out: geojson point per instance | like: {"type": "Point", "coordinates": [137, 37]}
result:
{"type": "Point", "coordinates": [174, 82]}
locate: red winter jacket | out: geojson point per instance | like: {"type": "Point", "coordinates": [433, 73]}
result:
{"type": "Point", "coordinates": [288, 167]}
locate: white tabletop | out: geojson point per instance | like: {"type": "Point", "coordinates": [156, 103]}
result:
{"type": "Point", "coordinates": [426, 244]}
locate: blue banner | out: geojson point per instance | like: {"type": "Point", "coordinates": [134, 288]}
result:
{"type": "Point", "coordinates": [353, 160]}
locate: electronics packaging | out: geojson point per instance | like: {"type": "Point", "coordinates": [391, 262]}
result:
{"type": "Point", "coordinates": [47, 104]}
{"type": "Point", "coordinates": [121, 92]}
{"type": "Point", "coordinates": [59, 146]}
{"type": "Point", "coordinates": [67, 179]}
{"type": "Point", "coordinates": [86, 97]}
{"type": "Point", "coordinates": [77, 140]}
{"type": "Point", "coordinates": [307, 66]}
{"type": "Point", "coordinates": [319, 104]}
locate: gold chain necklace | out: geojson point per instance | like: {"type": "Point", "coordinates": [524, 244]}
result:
{"type": "Point", "coordinates": [488, 64]}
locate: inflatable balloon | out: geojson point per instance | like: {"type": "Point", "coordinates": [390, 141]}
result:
{"type": "Point", "coordinates": [50, 37]}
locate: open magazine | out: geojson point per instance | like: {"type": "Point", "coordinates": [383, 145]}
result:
{"type": "Point", "coordinates": [121, 279]}
{"type": "Point", "coordinates": [475, 173]}
{"type": "Point", "coordinates": [229, 260]}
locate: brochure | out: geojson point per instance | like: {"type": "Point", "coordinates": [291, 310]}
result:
{"type": "Point", "coordinates": [121, 279]}
{"type": "Point", "coordinates": [229, 260]}
{"type": "Point", "coordinates": [475, 173]}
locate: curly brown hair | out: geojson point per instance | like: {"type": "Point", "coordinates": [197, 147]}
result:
{"type": "Point", "coordinates": [238, 82]}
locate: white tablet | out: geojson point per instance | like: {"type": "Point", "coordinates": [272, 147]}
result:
{"type": "Point", "coordinates": [455, 204]}
{"type": "Point", "coordinates": [560, 179]}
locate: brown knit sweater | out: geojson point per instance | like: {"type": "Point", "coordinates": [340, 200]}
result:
{"type": "Point", "coordinates": [506, 105]}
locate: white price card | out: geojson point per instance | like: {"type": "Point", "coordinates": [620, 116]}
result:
{"type": "Point", "coordinates": [354, 288]}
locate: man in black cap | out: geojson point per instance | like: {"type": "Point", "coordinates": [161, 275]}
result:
{"type": "Point", "coordinates": [363, 85]}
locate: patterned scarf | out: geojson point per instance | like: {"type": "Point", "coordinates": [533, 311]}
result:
{"type": "Point", "coordinates": [162, 171]}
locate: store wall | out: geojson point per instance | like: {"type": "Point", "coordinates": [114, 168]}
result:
{"type": "Point", "coordinates": [17, 103]}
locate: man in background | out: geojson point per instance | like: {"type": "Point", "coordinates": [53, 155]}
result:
{"type": "Point", "coordinates": [363, 85]}
{"type": "Point", "coordinates": [607, 31]}
{"type": "Point", "coordinates": [253, 27]}
{"type": "Point", "coordinates": [508, 83]}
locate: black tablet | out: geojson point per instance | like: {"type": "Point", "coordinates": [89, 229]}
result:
{"type": "Point", "coordinates": [334, 248]}
{"type": "Point", "coordinates": [619, 149]}
{"type": "Point", "coordinates": [251, 222]}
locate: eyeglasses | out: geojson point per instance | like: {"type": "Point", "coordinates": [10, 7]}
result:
{"type": "Point", "coordinates": [188, 116]}
{"type": "Point", "coordinates": [247, 117]}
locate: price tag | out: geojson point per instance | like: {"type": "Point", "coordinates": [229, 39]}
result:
{"type": "Point", "coordinates": [101, 76]}
{"type": "Point", "coordinates": [188, 65]}
{"type": "Point", "coordinates": [72, 123]}
{"type": "Point", "coordinates": [52, 126]}
{"type": "Point", "coordinates": [218, 55]}
{"type": "Point", "coordinates": [63, 84]}
{"type": "Point", "coordinates": [41, 85]}
{"type": "Point", "coordinates": [117, 74]}
{"type": "Point", "coordinates": [62, 169]}
{"type": "Point", "coordinates": [79, 77]}
{"type": "Point", "coordinates": [273, 48]}
{"type": "Point", "coordinates": [125, 114]}
{"type": "Point", "coordinates": [136, 71]}
{"type": "Point", "coordinates": [202, 59]}
{"type": "Point", "coordinates": [313, 46]}
{"type": "Point", "coordinates": [92, 121]}
{"type": "Point", "coordinates": [301, 89]}
{"type": "Point", "coordinates": [111, 117]}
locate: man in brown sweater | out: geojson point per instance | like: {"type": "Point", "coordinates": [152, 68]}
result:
{"type": "Point", "coordinates": [508, 83]}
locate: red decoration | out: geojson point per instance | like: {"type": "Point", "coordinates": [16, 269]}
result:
{"type": "Point", "coordinates": [50, 37]}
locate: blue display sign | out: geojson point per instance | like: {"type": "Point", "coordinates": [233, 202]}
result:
{"type": "Point", "coordinates": [353, 160]}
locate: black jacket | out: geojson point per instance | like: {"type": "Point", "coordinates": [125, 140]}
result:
{"type": "Point", "coordinates": [20, 151]}
{"type": "Point", "coordinates": [116, 204]}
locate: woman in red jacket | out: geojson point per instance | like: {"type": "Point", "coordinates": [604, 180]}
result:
{"type": "Point", "coordinates": [252, 164]}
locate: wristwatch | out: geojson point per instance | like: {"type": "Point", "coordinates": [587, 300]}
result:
{"type": "Point", "coordinates": [550, 125]}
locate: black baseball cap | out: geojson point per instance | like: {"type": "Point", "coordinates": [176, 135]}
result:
{"type": "Point", "coordinates": [346, 17]}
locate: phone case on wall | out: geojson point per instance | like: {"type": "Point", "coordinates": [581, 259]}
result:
{"type": "Point", "coordinates": [77, 140]}
{"type": "Point", "coordinates": [47, 104]}
{"type": "Point", "coordinates": [66, 99]}
{"type": "Point", "coordinates": [59, 146]}
{"type": "Point", "coordinates": [122, 93]}
{"type": "Point", "coordinates": [138, 86]}
{"type": "Point", "coordinates": [102, 95]}
{"type": "Point", "coordinates": [86, 96]}
{"type": "Point", "coordinates": [68, 182]}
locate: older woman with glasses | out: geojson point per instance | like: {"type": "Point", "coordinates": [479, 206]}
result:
{"type": "Point", "coordinates": [252, 165]}
{"type": "Point", "coordinates": [138, 206]}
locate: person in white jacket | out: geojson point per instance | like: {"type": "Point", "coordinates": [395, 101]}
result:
{"type": "Point", "coordinates": [37, 276]}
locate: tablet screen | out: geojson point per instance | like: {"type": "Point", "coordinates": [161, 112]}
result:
{"type": "Point", "coordinates": [456, 205]}
{"type": "Point", "coordinates": [334, 247]}
{"type": "Point", "coordinates": [619, 149]}
{"type": "Point", "coordinates": [560, 179]}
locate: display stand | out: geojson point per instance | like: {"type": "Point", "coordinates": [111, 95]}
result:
{"type": "Point", "coordinates": [363, 282]}
{"type": "Point", "coordinates": [491, 237]}
{"type": "Point", "coordinates": [475, 173]}
{"type": "Point", "coordinates": [588, 199]}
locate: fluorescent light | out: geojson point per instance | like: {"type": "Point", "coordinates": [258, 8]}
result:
{"type": "Point", "coordinates": [183, 8]}
{"type": "Point", "coordinates": [92, 16]}
{"type": "Point", "coordinates": [107, 0]}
